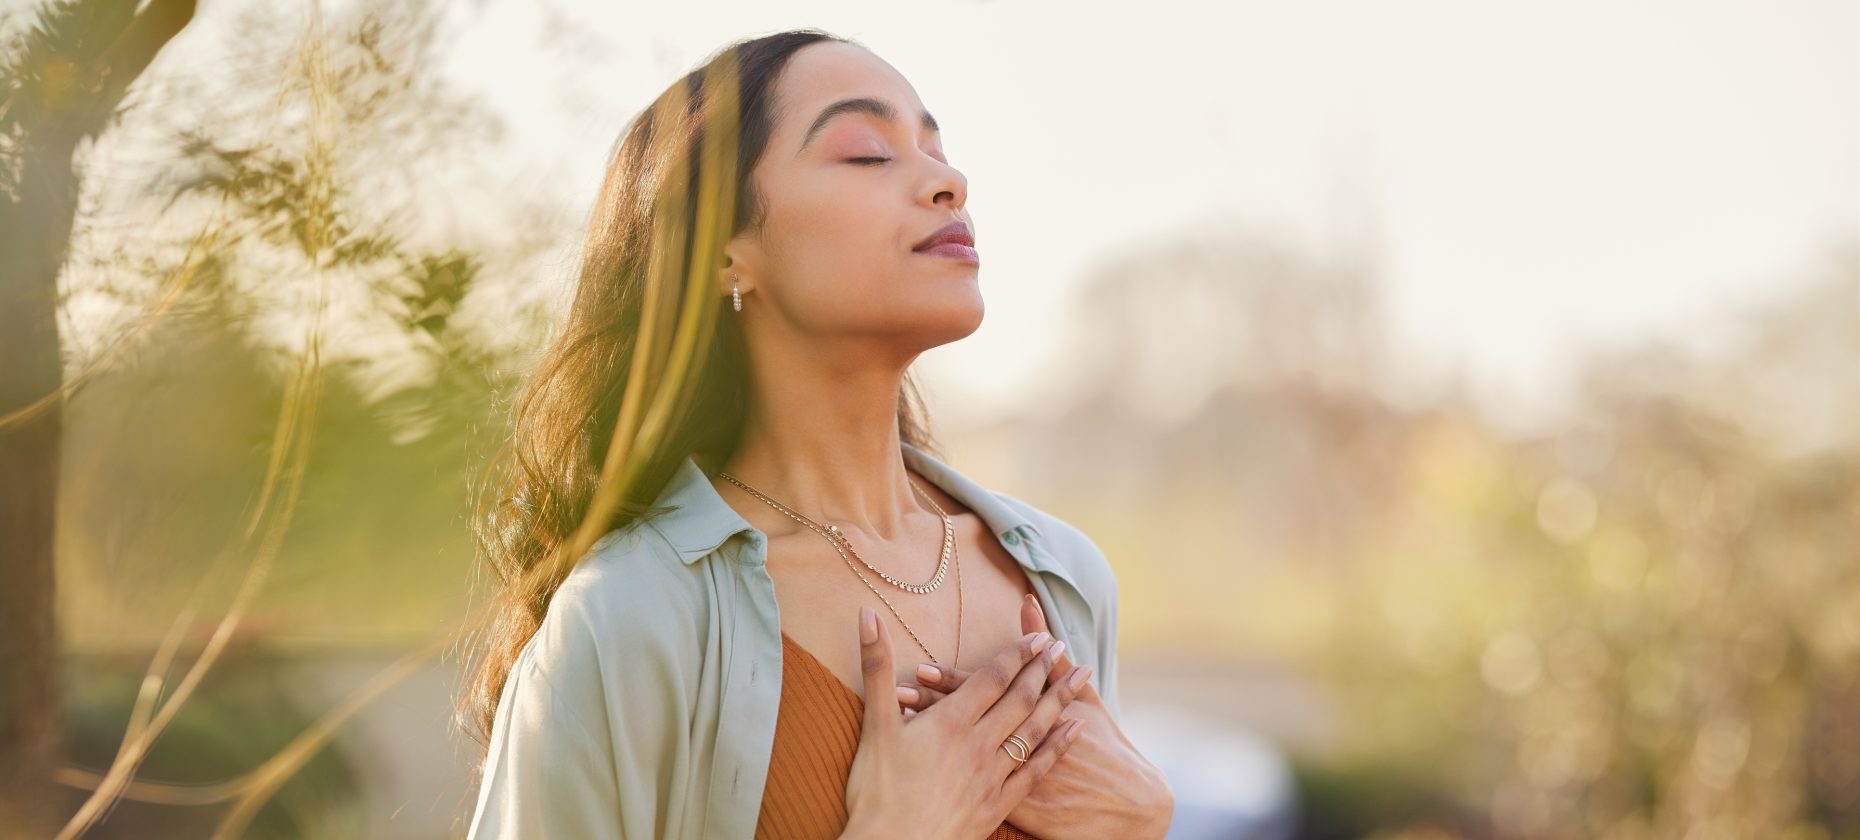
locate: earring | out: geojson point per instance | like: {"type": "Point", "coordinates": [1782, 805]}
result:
{"type": "Point", "coordinates": [736, 296]}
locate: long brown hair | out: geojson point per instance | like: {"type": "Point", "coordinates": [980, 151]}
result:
{"type": "Point", "coordinates": [588, 379]}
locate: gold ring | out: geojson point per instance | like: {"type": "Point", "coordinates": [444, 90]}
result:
{"type": "Point", "coordinates": [1015, 739]}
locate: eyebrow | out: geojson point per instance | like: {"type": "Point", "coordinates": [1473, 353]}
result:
{"type": "Point", "coordinates": [859, 105]}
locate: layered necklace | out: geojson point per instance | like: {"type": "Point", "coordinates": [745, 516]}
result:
{"type": "Point", "coordinates": [844, 546]}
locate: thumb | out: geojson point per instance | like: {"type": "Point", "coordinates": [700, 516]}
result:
{"type": "Point", "coordinates": [881, 706]}
{"type": "Point", "coordinates": [1032, 618]}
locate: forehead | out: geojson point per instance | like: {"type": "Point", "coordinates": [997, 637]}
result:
{"type": "Point", "coordinates": [820, 74]}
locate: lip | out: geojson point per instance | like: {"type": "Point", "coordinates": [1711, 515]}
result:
{"type": "Point", "coordinates": [953, 249]}
{"type": "Point", "coordinates": [954, 233]}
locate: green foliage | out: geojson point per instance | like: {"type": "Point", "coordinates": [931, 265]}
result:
{"type": "Point", "coordinates": [1644, 626]}
{"type": "Point", "coordinates": [250, 706]}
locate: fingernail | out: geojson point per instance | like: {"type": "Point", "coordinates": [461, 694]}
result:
{"type": "Point", "coordinates": [868, 625]}
{"type": "Point", "coordinates": [1039, 641]}
{"type": "Point", "coordinates": [1077, 680]}
{"type": "Point", "coordinates": [1059, 647]}
{"type": "Point", "coordinates": [1073, 733]}
{"type": "Point", "coordinates": [907, 694]}
{"type": "Point", "coordinates": [928, 674]}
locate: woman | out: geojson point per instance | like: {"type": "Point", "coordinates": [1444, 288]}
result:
{"type": "Point", "coordinates": [720, 662]}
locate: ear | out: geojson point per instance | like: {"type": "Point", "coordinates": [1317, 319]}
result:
{"type": "Point", "coordinates": [738, 267]}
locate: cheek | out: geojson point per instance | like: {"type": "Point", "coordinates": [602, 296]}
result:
{"type": "Point", "coordinates": [842, 244]}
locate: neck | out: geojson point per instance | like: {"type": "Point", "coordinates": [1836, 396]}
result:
{"type": "Point", "coordinates": [823, 441]}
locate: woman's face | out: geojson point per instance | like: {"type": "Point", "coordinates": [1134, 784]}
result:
{"type": "Point", "coordinates": [847, 199]}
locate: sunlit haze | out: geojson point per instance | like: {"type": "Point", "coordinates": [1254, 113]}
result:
{"type": "Point", "coordinates": [1531, 181]}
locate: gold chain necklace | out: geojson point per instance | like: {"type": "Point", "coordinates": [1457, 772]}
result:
{"type": "Point", "coordinates": [842, 545]}
{"type": "Point", "coordinates": [833, 535]}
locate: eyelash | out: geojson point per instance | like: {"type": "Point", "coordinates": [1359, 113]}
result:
{"type": "Point", "coordinates": [862, 160]}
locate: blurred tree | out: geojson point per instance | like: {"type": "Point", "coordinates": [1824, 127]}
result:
{"type": "Point", "coordinates": [296, 207]}
{"type": "Point", "coordinates": [61, 83]}
{"type": "Point", "coordinates": [278, 207]}
{"type": "Point", "coordinates": [1642, 623]}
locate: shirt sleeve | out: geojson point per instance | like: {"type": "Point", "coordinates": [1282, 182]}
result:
{"type": "Point", "coordinates": [547, 773]}
{"type": "Point", "coordinates": [591, 737]}
{"type": "Point", "coordinates": [1107, 649]}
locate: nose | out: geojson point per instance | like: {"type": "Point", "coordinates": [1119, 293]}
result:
{"type": "Point", "coordinates": [947, 185]}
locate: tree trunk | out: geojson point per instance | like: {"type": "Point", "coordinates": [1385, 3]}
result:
{"type": "Point", "coordinates": [35, 231]}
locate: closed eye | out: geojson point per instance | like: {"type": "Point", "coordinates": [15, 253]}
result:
{"type": "Point", "coordinates": [867, 161]}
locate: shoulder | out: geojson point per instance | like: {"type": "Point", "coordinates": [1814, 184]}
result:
{"type": "Point", "coordinates": [628, 600]}
{"type": "Point", "coordinates": [1071, 548]}
{"type": "Point", "coordinates": [629, 569]}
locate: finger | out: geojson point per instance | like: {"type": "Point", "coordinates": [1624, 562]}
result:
{"type": "Point", "coordinates": [1037, 726]}
{"type": "Point", "coordinates": [941, 677]}
{"type": "Point", "coordinates": [1022, 780]}
{"type": "Point", "coordinates": [1032, 620]}
{"type": "Point", "coordinates": [982, 688]}
{"type": "Point", "coordinates": [875, 667]}
{"type": "Point", "coordinates": [1022, 697]}
{"type": "Point", "coordinates": [1089, 693]}
{"type": "Point", "coordinates": [946, 679]}
{"type": "Point", "coordinates": [918, 697]}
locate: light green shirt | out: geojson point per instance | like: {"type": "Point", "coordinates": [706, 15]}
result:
{"type": "Point", "coordinates": [645, 704]}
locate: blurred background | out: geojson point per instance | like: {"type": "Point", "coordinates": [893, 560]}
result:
{"type": "Point", "coordinates": [1467, 395]}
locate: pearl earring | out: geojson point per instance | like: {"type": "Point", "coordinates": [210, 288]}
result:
{"type": "Point", "coordinates": [736, 297]}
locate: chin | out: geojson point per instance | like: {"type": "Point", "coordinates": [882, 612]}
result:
{"type": "Point", "coordinates": [958, 319]}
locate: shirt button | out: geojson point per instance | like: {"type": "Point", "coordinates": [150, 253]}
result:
{"type": "Point", "coordinates": [1012, 538]}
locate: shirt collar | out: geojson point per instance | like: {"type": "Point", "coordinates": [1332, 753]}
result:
{"type": "Point", "coordinates": [701, 520]}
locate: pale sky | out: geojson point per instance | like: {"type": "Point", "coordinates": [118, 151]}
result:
{"type": "Point", "coordinates": [1543, 177]}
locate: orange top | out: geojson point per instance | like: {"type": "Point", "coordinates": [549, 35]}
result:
{"type": "Point", "coordinates": [816, 735]}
